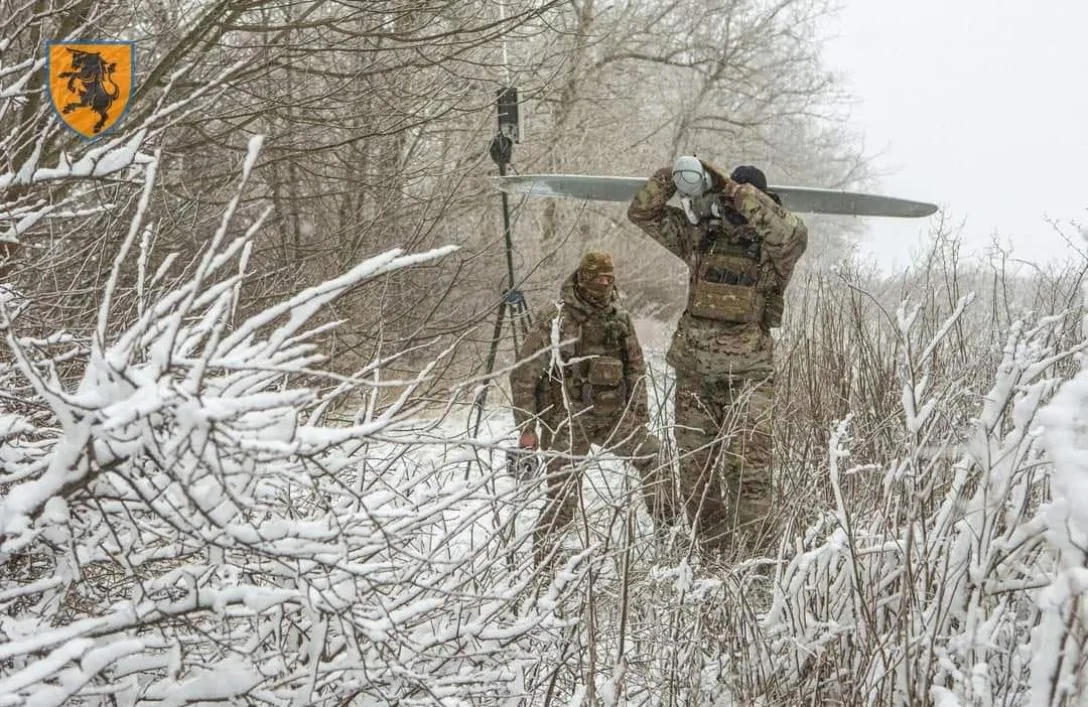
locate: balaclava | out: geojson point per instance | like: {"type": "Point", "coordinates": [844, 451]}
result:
{"type": "Point", "coordinates": [594, 264]}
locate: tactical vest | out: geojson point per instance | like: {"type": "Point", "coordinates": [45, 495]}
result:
{"type": "Point", "coordinates": [594, 369]}
{"type": "Point", "coordinates": [728, 283]}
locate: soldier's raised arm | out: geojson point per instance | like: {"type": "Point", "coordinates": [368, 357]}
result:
{"type": "Point", "coordinates": [650, 211]}
{"type": "Point", "coordinates": [785, 235]}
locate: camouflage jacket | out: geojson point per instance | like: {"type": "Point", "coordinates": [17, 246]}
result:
{"type": "Point", "coordinates": [599, 369]}
{"type": "Point", "coordinates": [711, 347]}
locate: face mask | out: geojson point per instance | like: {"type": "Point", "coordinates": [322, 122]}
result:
{"type": "Point", "coordinates": [594, 290]}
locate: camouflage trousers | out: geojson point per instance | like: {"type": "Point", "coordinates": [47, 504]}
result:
{"type": "Point", "coordinates": [627, 438]}
{"type": "Point", "coordinates": [723, 437]}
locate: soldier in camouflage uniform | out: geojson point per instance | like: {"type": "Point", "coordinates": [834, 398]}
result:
{"type": "Point", "coordinates": [722, 351]}
{"type": "Point", "coordinates": [592, 392]}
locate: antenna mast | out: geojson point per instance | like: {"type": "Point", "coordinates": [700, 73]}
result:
{"type": "Point", "coordinates": [501, 150]}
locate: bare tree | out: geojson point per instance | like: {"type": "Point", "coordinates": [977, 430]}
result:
{"type": "Point", "coordinates": [377, 118]}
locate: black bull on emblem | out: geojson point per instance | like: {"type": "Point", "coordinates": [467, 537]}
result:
{"type": "Point", "coordinates": [92, 73]}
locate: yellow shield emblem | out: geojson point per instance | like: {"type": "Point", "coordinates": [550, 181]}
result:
{"type": "Point", "coordinates": [90, 83]}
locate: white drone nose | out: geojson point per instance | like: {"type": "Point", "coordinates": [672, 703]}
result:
{"type": "Point", "coordinates": [689, 176]}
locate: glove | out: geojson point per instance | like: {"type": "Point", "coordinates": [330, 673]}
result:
{"type": "Point", "coordinates": [718, 180]}
{"type": "Point", "coordinates": [706, 208]}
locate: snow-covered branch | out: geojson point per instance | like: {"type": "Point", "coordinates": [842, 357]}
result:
{"type": "Point", "coordinates": [175, 528]}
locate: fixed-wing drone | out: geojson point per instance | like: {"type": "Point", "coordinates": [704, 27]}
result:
{"type": "Point", "coordinates": [800, 199]}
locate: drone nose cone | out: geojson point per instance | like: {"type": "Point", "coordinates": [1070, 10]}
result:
{"type": "Point", "coordinates": [688, 176]}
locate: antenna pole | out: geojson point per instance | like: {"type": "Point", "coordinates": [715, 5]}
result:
{"type": "Point", "coordinates": [501, 150]}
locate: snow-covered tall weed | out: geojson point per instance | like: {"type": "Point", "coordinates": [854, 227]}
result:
{"type": "Point", "coordinates": [946, 582]}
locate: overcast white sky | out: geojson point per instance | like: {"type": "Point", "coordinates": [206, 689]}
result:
{"type": "Point", "coordinates": [981, 106]}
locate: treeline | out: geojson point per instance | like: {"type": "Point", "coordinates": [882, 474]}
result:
{"type": "Point", "coordinates": [378, 118]}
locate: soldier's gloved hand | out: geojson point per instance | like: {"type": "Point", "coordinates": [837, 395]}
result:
{"type": "Point", "coordinates": [718, 180]}
{"type": "Point", "coordinates": [527, 440]}
{"type": "Point", "coordinates": [664, 176]}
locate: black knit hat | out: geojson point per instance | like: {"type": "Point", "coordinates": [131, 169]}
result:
{"type": "Point", "coordinates": [747, 174]}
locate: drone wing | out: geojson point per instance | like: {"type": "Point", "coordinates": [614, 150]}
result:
{"type": "Point", "coordinates": [799, 199]}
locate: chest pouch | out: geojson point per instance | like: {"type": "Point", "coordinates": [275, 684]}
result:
{"type": "Point", "coordinates": [727, 288]}
{"type": "Point", "coordinates": [604, 387]}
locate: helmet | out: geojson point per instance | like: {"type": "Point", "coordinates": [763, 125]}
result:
{"type": "Point", "coordinates": [596, 262]}
{"type": "Point", "coordinates": [689, 176]}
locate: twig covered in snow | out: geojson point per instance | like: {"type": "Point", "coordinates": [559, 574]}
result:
{"type": "Point", "coordinates": [175, 531]}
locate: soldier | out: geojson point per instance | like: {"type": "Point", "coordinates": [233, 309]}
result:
{"type": "Point", "coordinates": [591, 390]}
{"type": "Point", "coordinates": [740, 246]}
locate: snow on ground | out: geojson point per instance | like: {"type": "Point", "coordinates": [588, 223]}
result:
{"type": "Point", "coordinates": [609, 485]}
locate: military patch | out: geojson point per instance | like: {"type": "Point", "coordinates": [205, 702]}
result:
{"type": "Point", "coordinates": [90, 83]}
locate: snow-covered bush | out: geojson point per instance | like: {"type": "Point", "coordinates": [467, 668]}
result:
{"type": "Point", "coordinates": [180, 527]}
{"type": "Point", "coordinates": [955, 585]}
